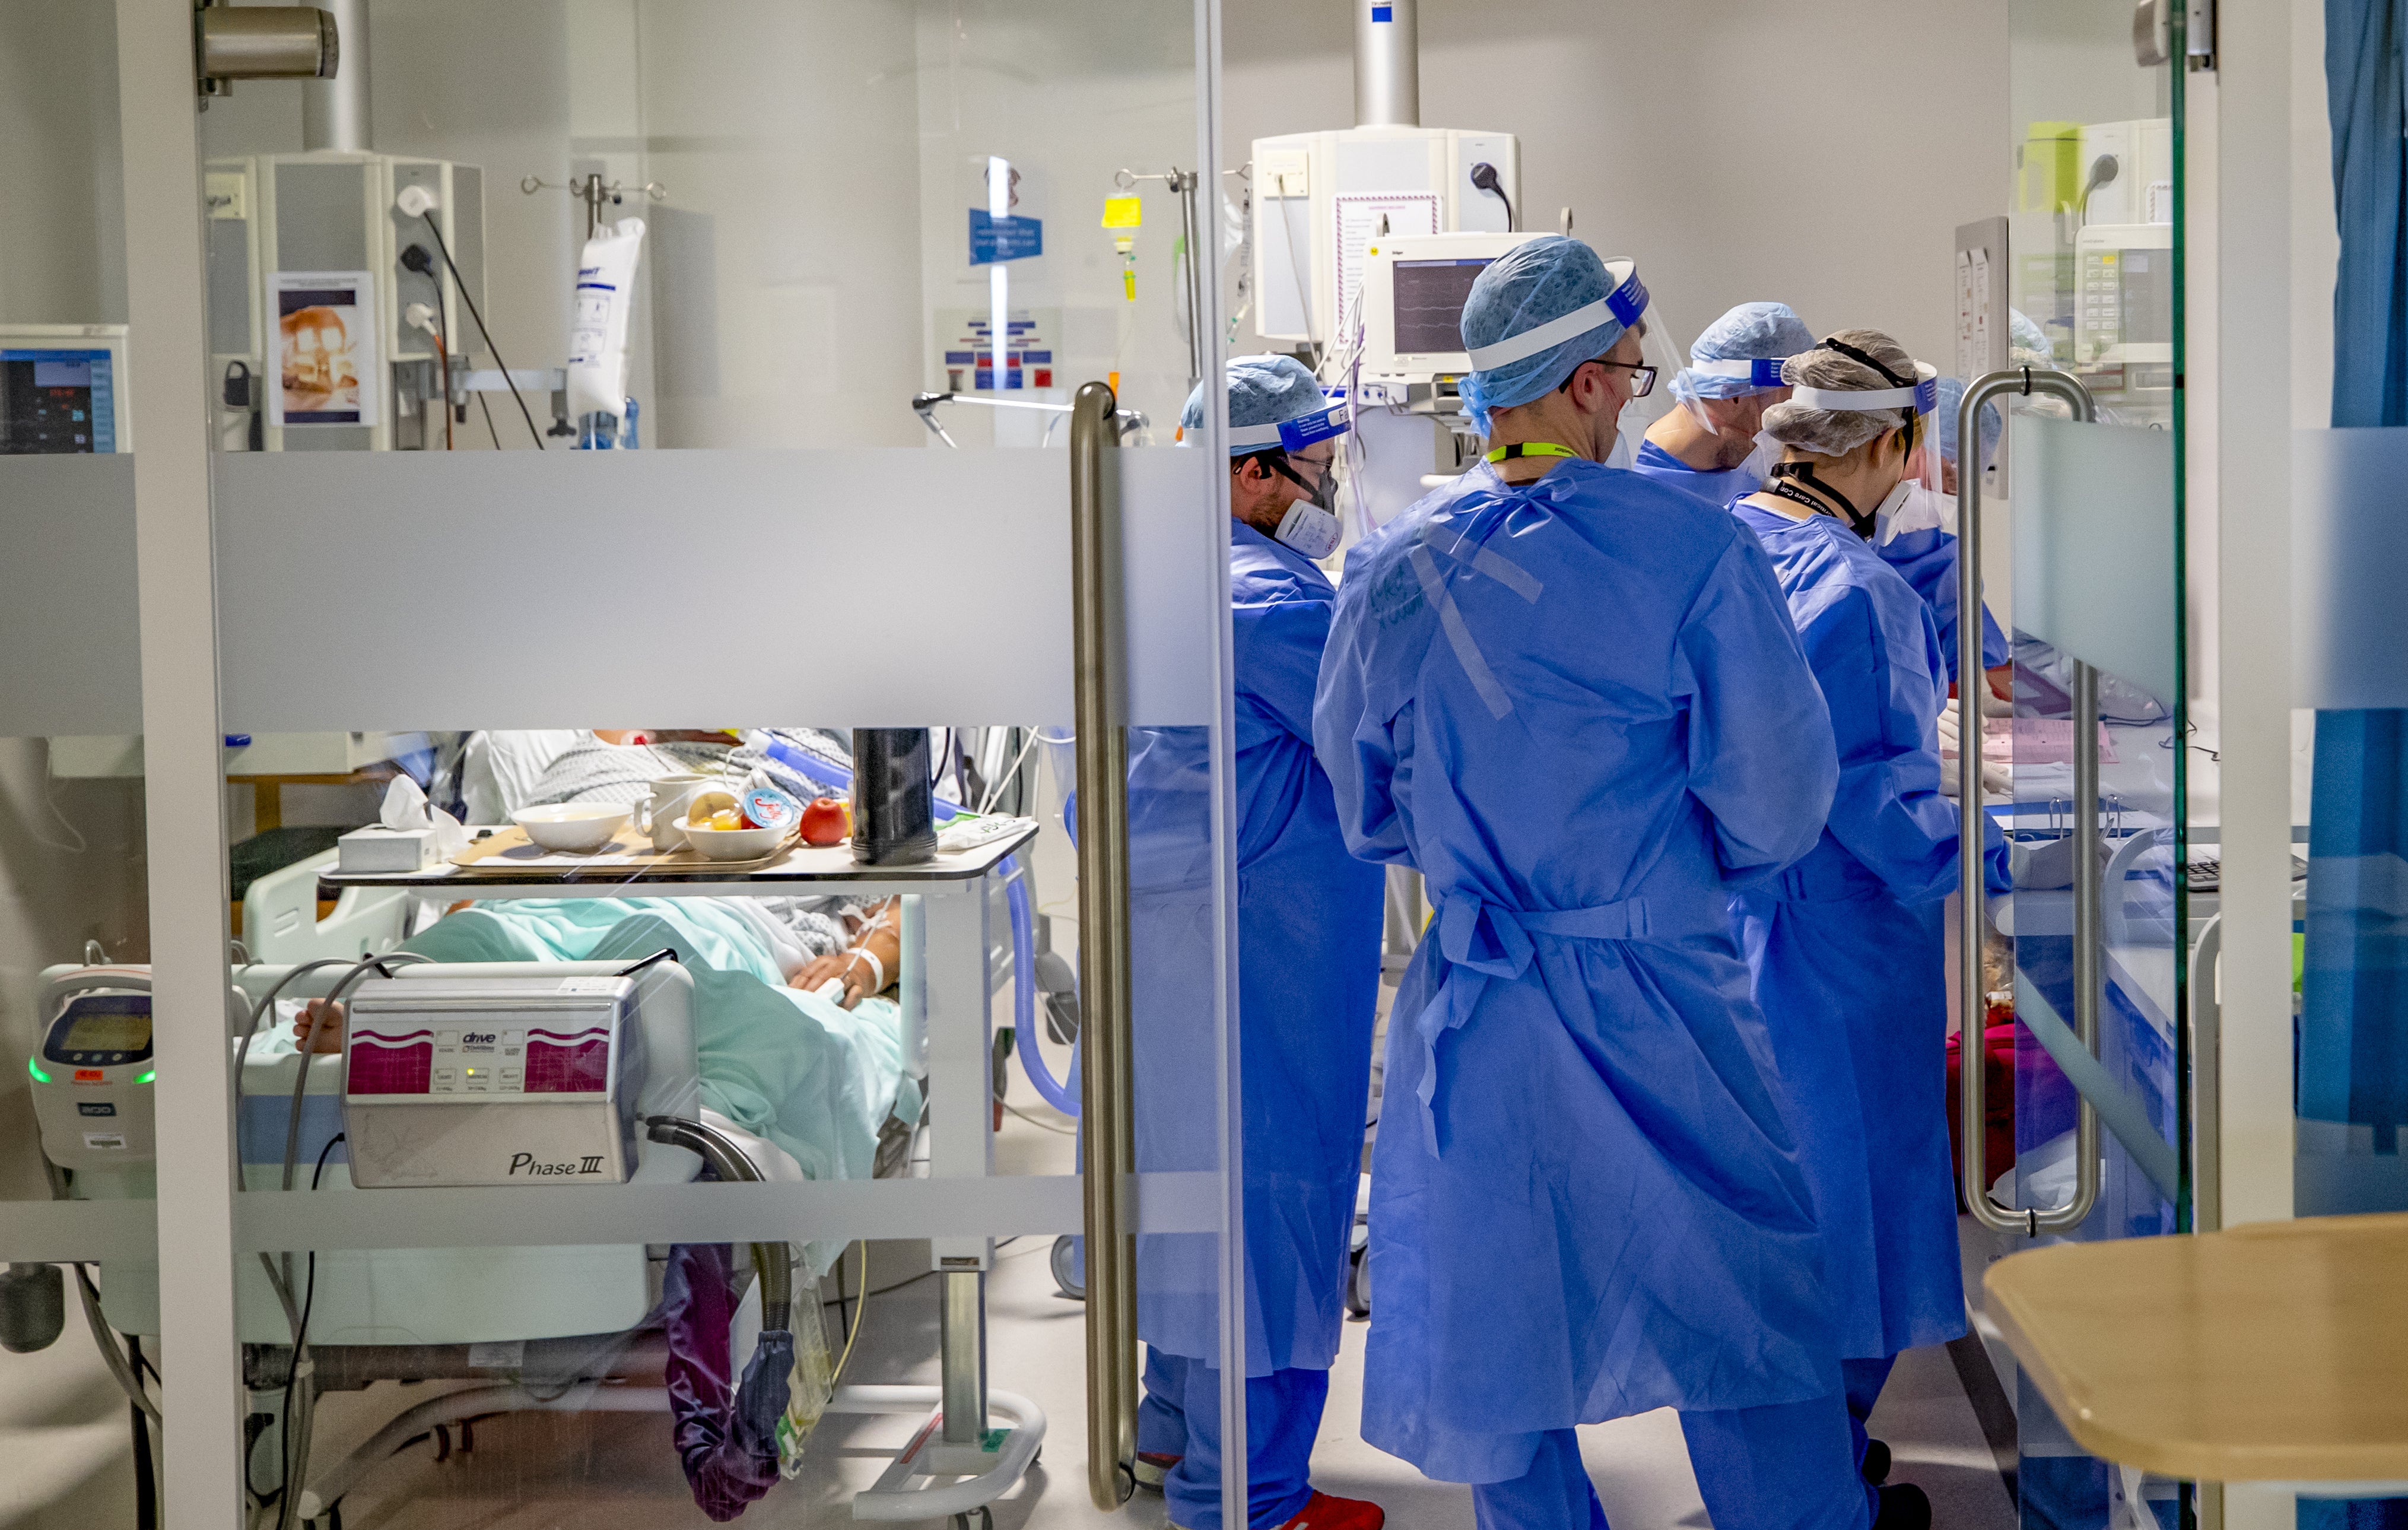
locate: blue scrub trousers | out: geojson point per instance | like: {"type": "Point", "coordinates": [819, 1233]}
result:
{"type": "Point", "coordinates": [1862, 1382]}
{"type": "Point", "coordinates": [1776, 1467]}
{"type": "Point", "coordinates": [1180, 1416]}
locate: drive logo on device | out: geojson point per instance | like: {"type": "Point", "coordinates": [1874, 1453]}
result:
{"type": "Point", "coordinates": [526, 1162]}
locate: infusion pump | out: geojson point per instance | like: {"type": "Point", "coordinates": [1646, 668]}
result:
{"type": "Point", "coordinates": [2123, 316]}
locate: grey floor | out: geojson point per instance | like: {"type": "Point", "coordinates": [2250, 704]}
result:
{"type": "Point", "coordinates": [598, 1472]}
{"type": "Point", "coordinates": [65, 1462]}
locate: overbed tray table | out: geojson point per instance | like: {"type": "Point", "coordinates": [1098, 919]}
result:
{"type": "Point", "coordinates": [949, 938]}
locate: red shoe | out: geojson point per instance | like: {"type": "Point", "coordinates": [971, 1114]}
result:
{"type": "Point", "coordinates": [1325, 1512]}
{"type": "Point", "coordinates": [1152, 1467]}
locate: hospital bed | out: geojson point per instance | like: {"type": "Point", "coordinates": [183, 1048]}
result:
{"type": "Point", "coordinates": [551, 1317]}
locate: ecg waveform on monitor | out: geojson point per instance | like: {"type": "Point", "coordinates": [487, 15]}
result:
{"type": "Point", "coordinates": [1429, 296]}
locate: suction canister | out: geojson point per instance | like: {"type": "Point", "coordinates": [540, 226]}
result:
{"type": "Point", "coordinates": [893, 808]}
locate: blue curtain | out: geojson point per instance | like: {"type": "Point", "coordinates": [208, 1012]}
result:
{"type": "Point", "coordinates": [2353, 1041]}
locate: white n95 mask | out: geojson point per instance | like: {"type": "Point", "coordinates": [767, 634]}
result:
{"type": "Point", "coordinates": [1310, 529]}
{"type": "Point", "coordinates": [1913, 507]}
{"type": "Point", "coordinates": [1886, 514]}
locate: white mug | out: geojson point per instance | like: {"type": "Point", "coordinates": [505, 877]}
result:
{"type": "Point", "coordinates": [657, 815]}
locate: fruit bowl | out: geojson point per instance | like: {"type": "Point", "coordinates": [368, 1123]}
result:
{"type": "Point", "coordinates": [730, 844]}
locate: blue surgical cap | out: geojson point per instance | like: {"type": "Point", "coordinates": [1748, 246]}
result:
{"type": "Point", "coordinates": [1273, 402]}
{"type": "Point", "coordinates": [1725, 354]}
{"type": "Point", "coordinates": [1517, 313]}
{"type": "Point", "coordinates": [1951, 395]}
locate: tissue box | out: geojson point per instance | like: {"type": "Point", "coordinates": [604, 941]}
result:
{"type": "Point", "coordinates": [385, 850]}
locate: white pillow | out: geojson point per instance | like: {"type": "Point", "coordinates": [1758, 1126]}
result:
{"type": "Point", "coordinates": [499, 769]}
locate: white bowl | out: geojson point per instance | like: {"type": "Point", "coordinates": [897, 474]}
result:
{"type": "Point", "coordinates": [730, 844]}
{"type": "Point", "coordinates": [577, 828]}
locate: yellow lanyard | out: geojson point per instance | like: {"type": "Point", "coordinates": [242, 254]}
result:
{"type": "Point", "coordinates": [1531, 448]}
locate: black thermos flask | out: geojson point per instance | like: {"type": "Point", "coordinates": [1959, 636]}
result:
{"type": "Point", "coordinates": [894, 807]}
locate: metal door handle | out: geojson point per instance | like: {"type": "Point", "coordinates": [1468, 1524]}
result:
{"type": "Point", "coordinates": [2207, 1079]}
{"type": "Point", "coordinates": [1107, 1135]}
{"type": "Point", "coordinates": [1972, 1055]}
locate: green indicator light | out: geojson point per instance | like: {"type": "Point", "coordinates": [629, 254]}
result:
{"type": "Point", "coordinates": [34, 1068]}
{"type": "Point", "coordinates": [145, 1078]}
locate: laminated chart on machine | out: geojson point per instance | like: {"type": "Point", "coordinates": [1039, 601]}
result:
{"type": "Point", "coordinates": [1358, 218]}
{"type": "Point", "coordinates": [965, 346]}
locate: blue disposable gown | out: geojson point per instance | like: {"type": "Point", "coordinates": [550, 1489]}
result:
{"type": "Point", "coordinates": [1309, 922]}
{"type": "Point", "coordinates": [1719, 487]}
{"type": "Point", "coordinates": [1927, 560]}
{"type": "Point", "coordinates": [1579, 708]}
{"type": "Point", "coordinates": [1847, 947]}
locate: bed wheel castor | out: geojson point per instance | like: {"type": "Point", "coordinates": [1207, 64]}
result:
{"type": "Point", "coordinates": [1068, 1279]}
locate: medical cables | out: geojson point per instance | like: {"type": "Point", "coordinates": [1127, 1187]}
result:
{"type": "Point", "coordinates": [435, 228]}
{"type": "Point", "coordinates": [300, 1400]}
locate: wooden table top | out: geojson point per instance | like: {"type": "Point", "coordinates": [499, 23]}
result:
{"type": "Point", "coordinates": [2276, 1351]}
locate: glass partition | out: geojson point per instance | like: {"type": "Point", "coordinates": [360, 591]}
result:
{"type": "Point", "coordinates": [2086, 1056]}
{"type": "Point", "coordinates": [79, 1273]}
{"type": "Point", "coordinates": [657, 677]}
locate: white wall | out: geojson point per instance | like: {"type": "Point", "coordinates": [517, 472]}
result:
{"type": "Point", "coordinates": [1818, 154]}
{"type": "Point", "coordinates": [61, 206]}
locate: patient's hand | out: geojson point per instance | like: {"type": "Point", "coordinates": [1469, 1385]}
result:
{"type": "Point", "coordinates": [856, 973]}
{"type": "Point", "coordinates": [328, 1017]}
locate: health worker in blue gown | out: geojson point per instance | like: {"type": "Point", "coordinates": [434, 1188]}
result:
{"type": "Point", "coordinates": [1309, 927]}
{"type": "Point", "coordinates": [1919, 540]}
{"type": "Point", "coordinates": [1847, 946]}
{"type": "Point", "coordinates": [1710, 444]}
{"type": "Point", "coordinates": [1571, 697]}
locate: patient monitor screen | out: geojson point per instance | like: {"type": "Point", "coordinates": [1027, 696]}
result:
{"type": "Point", "coordinates": [1429, 296]}
{"type": "Point", "coordinates": [56, 402]}
{"type": "Point", "coordinates": [101, 1031]}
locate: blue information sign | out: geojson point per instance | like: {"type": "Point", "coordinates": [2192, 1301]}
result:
{"type": "Point", "coordinates": [1013, 238]}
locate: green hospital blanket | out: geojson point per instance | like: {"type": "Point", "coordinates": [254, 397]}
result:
{"type": "Point", "coordinates": [811, 1076]}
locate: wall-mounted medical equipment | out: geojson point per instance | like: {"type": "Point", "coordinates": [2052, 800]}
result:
{"type": "Point", "coordinates": [61, 389]}
{"type": "Point", "coordinates": [1320, 199]}
{"type": "Point", "coordinates": [92, 1075]}
{"type": "Point", "coordinates": [263, 42]}
{"type": "Point", "coordinates": [315, 264]}
{"type": "Point", "coordinates": [492, 1082]}
{"type": "Point", "coordinates": [1413, 290]}
{"type": "Point", "coordinates": [2123, 318]}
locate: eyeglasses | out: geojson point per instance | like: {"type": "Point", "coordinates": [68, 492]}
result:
{"type": "Point", "coordinates": [1643, 378]}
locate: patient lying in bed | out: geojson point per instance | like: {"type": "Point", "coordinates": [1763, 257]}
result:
{"type": "Point", "coordinates": [811, 940]}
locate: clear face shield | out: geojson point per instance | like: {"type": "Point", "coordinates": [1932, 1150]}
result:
{"type": "Point", "coordinates": [1658, 353]}
{"type": "Point", "coordinates": [1913, 500]}
{"type": "Point", "coordinates": [1924, 499]}
{"type": "Point", "coordinates": [1310, 525]}
{"type": "Point", "coordinates": [1728, 398]}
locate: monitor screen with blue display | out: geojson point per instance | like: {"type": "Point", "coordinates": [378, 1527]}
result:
{"type": "Point", "coordinates": [57, 401]}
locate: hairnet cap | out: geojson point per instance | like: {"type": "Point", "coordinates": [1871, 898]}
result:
{"type": "Point", "coordinates": [1846, 390]}
{"type": "Point", "coordinates": [1274, 401]}
{"type": "Point", "coordinates": [1535, 314]}
{"type": "Point", "coordinates": [1768, 332]}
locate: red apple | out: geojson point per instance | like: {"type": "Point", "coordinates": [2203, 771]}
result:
{"type": "Point", "coordinates": [824, 821]}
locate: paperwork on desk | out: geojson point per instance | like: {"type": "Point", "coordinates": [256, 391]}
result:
{"type": "Point", "coordinates": [2033, 742]}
